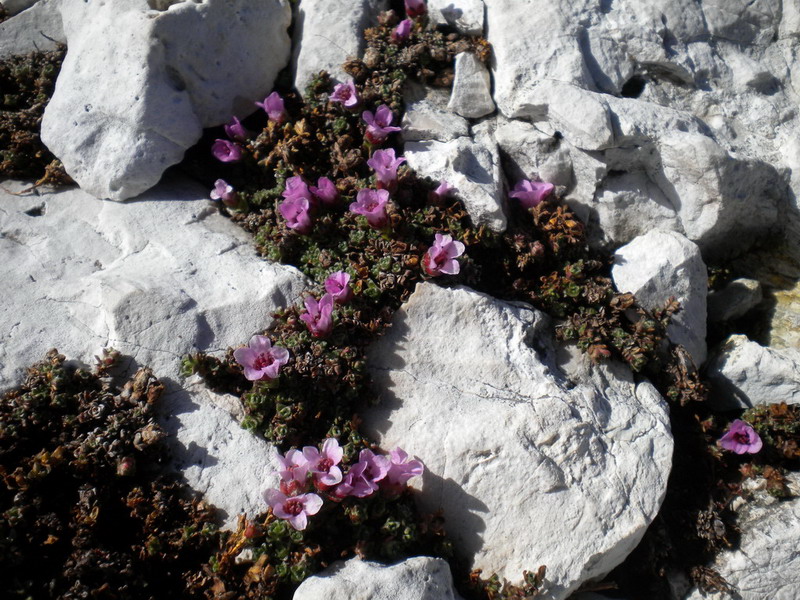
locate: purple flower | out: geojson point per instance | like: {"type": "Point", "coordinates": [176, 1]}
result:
{"type": "Point", "coordinates": [385, 165]}
{"type": "Point", "coordinates": [325, 190]}
{"type": "Point", "coordinates": [441, 192]}
{"type": "Point", "coordinates": [261, 360]}
{"type": "Point", "coordinates": [402, 31]}
{"type": "Point", "coordinates": [297, 188]}
{"type": "Point", "coordinates": [346, 94]}
{"type": "Point", "coordinates": [338, 285]}
{"type": "Point", "coordinates": [441, 257]}
{"type": "Point", "coordinates": [379, 124]}
{"type": "Point", "coordinates": [295, 466]}
{"type": "Point", "coordinates": [225, 192]}
{"type": "Point", "coordinates": [401, 469]}
{"type": "Point", "coordinates": [363, 477]}
{"type": "Point", "coordinates": [274, 107]}
{"type": "Point", "coordinates": [236, 131]}
{"type": "Point", "coordinates": [323, 464]}
{"type": "Point", "coordinates": [226, 151]}
{"type": "Point", "coordinates": [372, 205]}
{"type": "Point", "coordinates": [318, 317]}
{"type": "Point", "coordinates": [531, 193]}
{"type": "Point", "coordinates": [415, 8]}
{"type": "Point", "coordinates": [295, 211]}
{"type": "Point", "coordinates": [741, 438]}
{"type": "Point", "coordinates": [295, 509]}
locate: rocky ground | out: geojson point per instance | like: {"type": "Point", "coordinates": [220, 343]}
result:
{"type": "Point", "coordinates": [558, 424]}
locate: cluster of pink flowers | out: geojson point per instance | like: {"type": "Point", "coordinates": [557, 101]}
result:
{"type": "Point", "coordinates": [319, 313]}
{"type": "Point", "coordinates": [372, 203]}
{"type": "Point", "coordinates": [260, 359]}
{"type": "Point", "coordinates": [301, 199]}
{"type": "Point", "coordinates": [320, 470]}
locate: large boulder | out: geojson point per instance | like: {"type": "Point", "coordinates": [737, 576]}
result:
{"type": "Point", "coordinates": [529, 467]}
{"type": "Point", "coordinates": [662, 264]}
{"type": "Point", "coordinates": [155, 279]}
{"type": "Point", "coordinates": [37, 29]}
{"type": "Point", "coordinates": [139, 83]}
{"type": "Point", "coordinates": [419, 578]}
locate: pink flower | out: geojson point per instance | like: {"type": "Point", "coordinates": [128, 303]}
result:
{"type": "Point", "coordinates": [401, 469]}
{"type": "Point", "coordinates": [295, 211]}
{"type": "Point", "coordinates": [402, 31]}
{"type": "Point", "coordinates": [318, 317]}
{"type": "Point", "coordinates": [296, 188]}
{"type": "Point", "coordinates": [225, 192]}
{"type": "Point", "coordinates": [741, 438]}
{"type": "Point", "coordinates": [295, 466]}
{"type": "Point", "coordinates": [531, 193]}
{"type": "Point", "coordinates": [385, 165]}
{"type": "Point", "coordinates": [415, 8]}
{"type": "Point", "coordinates": [363, 477]}
{"type": "Point", "coordinates": [346, 94]}
{"type": "Point", "coordinates": [441, 257]}
{"type": "Point", "coordinates": [379, 124]}
{"type": "Point", "coordinates": [338, 285]}
{"type": "Point", "coordinates": [261, 360]}
{"type": "Point", "coordinates": [295, 509]}
{"type": "Point", "coordinates": [236, 131]}
{"type": "Point", "coordinates": [226, 151]}
{"type": "Point", "coordinates": [325, 190]}
{"type": "Point", "coordinates": [372, 205]}
{"type": "Point", "coordinates": [323, 464]}
{"type": "Point", "coordinates": [441, 192]}
{"type": "Point", "coordinates": [274, 107]}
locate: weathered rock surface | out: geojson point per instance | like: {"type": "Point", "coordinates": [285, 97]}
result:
{"type": "Point", "coordinates": [734, 300]}
{"type": "Point", "coordinates": [747, 374]}
{"type": "Point", "coordinates": [327, 33]}
{"type": "Point", "coordinates": [528, 467]}
{"type": "Point", "coordinates": [472, 88]}
{"type": "Point", "coordinates": [155, 279]}
{"type": "Point", "coordinates": [661, 264]}
{"type": "Point", "coordinates": [426, 116]}
{"type": "Point", "coordinates": [465, 16]}
{"type": "Point", "coordinates": [17, 6]}
{"type": "Point", "coordinates": [419, 578]}
{"type": "Point", "coordinates": [38, 28]}
{"type": "Point", "coordinates": [766, 564]}
{"type": "Point", "coordinates": [138, 84]}
{"type": "Point", "coordinates": [472, 167]}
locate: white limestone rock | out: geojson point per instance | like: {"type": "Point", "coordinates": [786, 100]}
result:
{"type": "Point", "coordinates": [734, 300]}
{"type": "Point", "coordinates": [465, 16]}
{"type": "Point", "coordinates": [661, 264]}
{"type": "Point", "coordinates": [766, 564]}
{"type": "Point", "coordinates": [472, 88]}
{"type": "Point", "coordinates": [156, 279]}
{"type": "Point", "coordinates": [327, 33]}
{"type": "Point", "coordinates": [17, 6]}
{"type": "Point", "coordinates": [418, 578]}
{"type": "Point", "coordinates": [748, 374]}
{"type": "Point", "coordinates": [138, 85]}
{"type": "Point", "coordinates": [531, 152]}
{"type": "Point", "coordinates": [37, 29]}
{"type": "Point", "coordinates": [529, 467]}
{"type": "Point", "coordinates": [472, 167]}
{"type": "Point", "coordinates": [426, 116]}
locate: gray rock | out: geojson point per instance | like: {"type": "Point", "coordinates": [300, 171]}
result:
{"type": "Point", "coordinates": [419, 578]}
{"type": "Point", "coordinates": [766, 564]}
{"type": "Point", "coordinates": [529, 467]}
{"type": "Point", "coordinates": [17, 6]}
{"type": "Point", "coordinates": [734, 300]}
{"type": "Point", "coordinates": [472, 95]}
{"type": "Point", "coordinates": [472, 167]}
{"type": "Point", "coordinates": [426, 117]}
{"type": "Point", "coordinates": [661, 264]}
{"type": "Point", "coordinates": [531, 152]}
{"type": "Point", "coordinates": [156, 279]}
{"type": "Point", "coordinates": [127, 105]}
{"type": "Point", "coordinates": [747, 374]}
{"type": "Point", "coordinates": [37, 29]}
{"type": "Point", "coordinates": [327, 33]}
{"type": "Point", "coordinates": [465, 16]}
